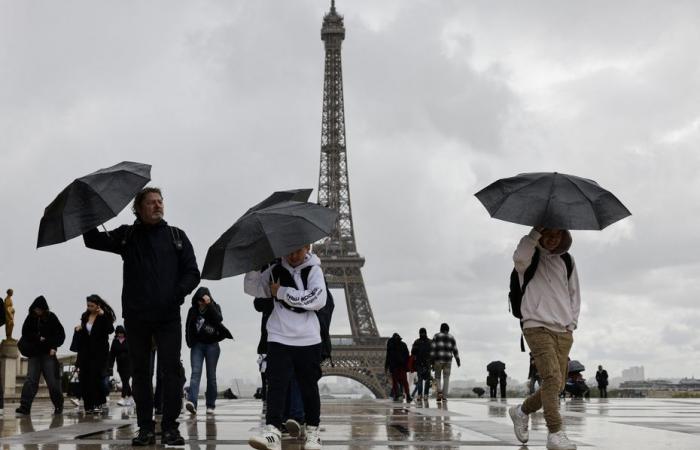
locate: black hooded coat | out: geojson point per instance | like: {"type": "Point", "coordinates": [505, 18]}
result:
{"type": "Point", "coordinates": [119, 353]}
{"type": "Point", "coordinates": [396, 353]}
{"type": "Point", "coordinates": [93, 347]}
{"type": "Point", "coordinates": [46, 326]}
{"type": "Point", "coordinates": [212, 330]}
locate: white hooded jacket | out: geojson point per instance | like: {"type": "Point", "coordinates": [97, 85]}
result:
{"type": "Point", "coordinates": [551, 300]}
{"type": "Point", "coordinates": [286, 326]}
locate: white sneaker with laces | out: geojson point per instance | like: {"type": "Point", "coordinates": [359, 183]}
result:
{"type": "Point", "coordinates": [313, 438]}
{"type": "Point", "coordinates": [75, 401]}
{"type": "Point", "coordinates": [122, 402]}
{"type": "Point", "coordinates": [189, 406]}
{"type": "Point", "coordinates": [211, 411]}
{"type": "Point", "coordinates": [521, 422]}
{"type": "Point", "coordinates": [269, 439]}
{"type": "Point", "coordinates": [559, 441]}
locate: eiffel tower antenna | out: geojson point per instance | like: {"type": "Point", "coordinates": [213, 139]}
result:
{"type": "Point", "coordinates": [361, 355]}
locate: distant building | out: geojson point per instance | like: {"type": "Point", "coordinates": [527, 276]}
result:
{"type": "Point", "coordinates": [633, 374]}
{"type": "Point", "coordinates": [658, 388]}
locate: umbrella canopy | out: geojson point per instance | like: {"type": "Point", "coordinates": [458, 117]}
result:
{"type": "Point", "coordinates": [297, 195]}
{"type": "Point", "coordinates": [552, 200]}
{"type": "Point", "coordinates": [496, 366]}
{"type": "Point", "coordinates": [576, 366]}
{"type": "Point", "coordinates": [90, 201]}
{"type": "Point", "coordinates": [265, 234]}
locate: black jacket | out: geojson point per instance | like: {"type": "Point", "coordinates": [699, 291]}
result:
{"type": "Point", "coordinates": [396, 353]}
{"type": "Point", "coordinates": [212, 318]}
{"type": "Point", "coordinates": [119, 352]}
{"type": "Point", "coordinates": [421, 351]}
{"type": "Point", "coordinates": [265, 306]}
{"type": "Point", "coordinates": [46, 326]}
{"type": "Point", "coordinates": [93, 347]}
{"type": "Point", "coordinates": [157, 275]}
{"type": "Point", "coordinates": [601, 377]}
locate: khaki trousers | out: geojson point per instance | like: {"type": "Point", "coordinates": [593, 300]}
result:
{"type": "Point", "coordinates": [551, 351]}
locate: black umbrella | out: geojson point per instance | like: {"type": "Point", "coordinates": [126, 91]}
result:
{"type": "Point", "coordinates": [576, 366]}
{"type": "Point", "coordinates": [297, 195]}
{"type": "Point", "coordinates": [90, 201]}
{"type": "Point", "coordinates": [496, 366]}
{"type": "Point", "coordinates": [552, 200]}
{"type": "Point", "coordinates": [264, 234]}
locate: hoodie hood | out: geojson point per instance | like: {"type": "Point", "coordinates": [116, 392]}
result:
{"type": "Point", "coordinates": [564, 245]}
{"type": "Point", "coordinates": [309, 260]}
{"type": "Point", "coordinates": [396, 337]}
{"type": "Point", "coordinates": [120, 329]}
{"type": "Point", "coordinates": [201, 292]}
{"type": "Point", "coordinates": [39, 302]}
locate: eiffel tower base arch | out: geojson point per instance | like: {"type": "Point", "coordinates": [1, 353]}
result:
{"type": "Point", "coordinates": [362, 360]}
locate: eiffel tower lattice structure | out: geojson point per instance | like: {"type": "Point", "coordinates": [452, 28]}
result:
{"type": "Point", "coordinates": [360, 355]}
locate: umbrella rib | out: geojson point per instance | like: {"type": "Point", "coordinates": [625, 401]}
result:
{"type": "Point", "coordinates": [595, 213]}
{"type": "Point", "coordinates": [513, 192]}
{"type": "Point", "coordinates": [98, 196]}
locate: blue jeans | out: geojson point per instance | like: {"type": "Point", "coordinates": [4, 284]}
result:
{"type": "Point", "coordinates": [423, 384]}
{"type": "Point", "coordinates": [199, 353]}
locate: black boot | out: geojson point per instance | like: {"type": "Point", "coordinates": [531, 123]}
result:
{"type": "Point", "coordinates": [172, 437]}
{"type": "Point", "coordinates": [144, 438]}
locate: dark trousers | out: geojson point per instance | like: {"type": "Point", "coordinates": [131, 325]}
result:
{"type": "Point", "coordinates": [42, 365]}
{"type": "Point", "coordinates": [125, 375]}
{"type": "Point", "coordinates": [283, 363]}
{"type": "Point", "coordinates": [502, 382]}
{"type": "Point", "coordinates": [423, 384]}
{"type": "Point", "coordinates": [492, 390]}
{"type": "Point", "coordinates": [91, 384]}
{"type": "Point", "coordinates": [168, 339]}
{"type": "Point", "coordinates": [156, 368]}
{"type": "Point", "coordinates": [399, 382]}
{"type": "Point", "coordinates": [603, 391]}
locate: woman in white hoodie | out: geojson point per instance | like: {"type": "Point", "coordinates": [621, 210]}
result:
{"type": "Point", "coordinates": [550, 309]}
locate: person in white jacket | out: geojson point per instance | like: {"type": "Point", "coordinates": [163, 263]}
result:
{"type": "Point", "coordinates": [550, 309]}
{"type": "Point", "coordinates": [298, 289]}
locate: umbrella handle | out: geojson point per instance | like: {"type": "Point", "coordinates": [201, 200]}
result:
{"type": "Point", "coordinates": [105, 228]}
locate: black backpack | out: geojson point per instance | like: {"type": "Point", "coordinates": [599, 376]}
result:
{"type": "Point", "coordinates": [324, 314]}
{"type": "Point", "coordinates": [515, 296]}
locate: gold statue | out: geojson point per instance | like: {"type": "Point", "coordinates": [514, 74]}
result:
{"type": "Point", "coordinates": [9, 315]}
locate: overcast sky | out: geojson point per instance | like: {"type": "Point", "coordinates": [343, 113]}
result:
{"type": "Point", "coordinates": [223, 98]}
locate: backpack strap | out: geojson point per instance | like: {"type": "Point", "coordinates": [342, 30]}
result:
{"type": "Point", "coordinates": [280, 274]}
{"type": "Point", "coordinates": [569, 264]}
{"type": "Point", "coordinates": [531, 269]}
{"type": "Point", "coordinates": [177, 238]}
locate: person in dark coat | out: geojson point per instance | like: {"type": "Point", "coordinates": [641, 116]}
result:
{"type": "Point", "coordinates": [601, 377]}
{"type": "Point", "coordinates": [397, 363]}
{"type": "Point", "coordinates": [96, 324]}
{"type": "Point", "coordinates": [159, 271]}
{"type": "Point", "coordinates": [423, 363]}
{"type": "Point", "coordinates": [42, 334]}
{"type": "Point", "coordinates": [264, 306]}
{"type": "Point", "coordinates": [203, 332]}
{"type": "Point", "coordinates": [119, 353]}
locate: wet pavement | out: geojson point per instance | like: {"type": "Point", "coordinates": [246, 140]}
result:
{"type": "Point", "coordinates": [368, 424]}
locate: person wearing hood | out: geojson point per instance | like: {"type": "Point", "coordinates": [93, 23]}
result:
{"type": "Point", "coordinates": [42, 334]}
{"type": "Point", "coordinates": [159, 271]}
{"type": "Point", "coordinates": [293, 340]}
{"type": "Point", "coordinates": [96, 324]}
{"type": "Point", "coordinates": [550, 310]}
{"type": "Point", "coordinates": [396, 363]}
{"type": "Point", "coordinates": [119, 353]}
{"type": "Point", "coordinates": [421, 351]}
{"type": "Point", "coordinates": [203, 332]}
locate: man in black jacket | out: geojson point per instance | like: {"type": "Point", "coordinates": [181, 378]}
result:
{"type": "Point", "coordinates": [160, 269]}
{"type": "Point", "coordinates": [395, 364]}
{"type": "Point", "coordinates": [42, 334]}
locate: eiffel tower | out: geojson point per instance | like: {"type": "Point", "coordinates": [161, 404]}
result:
{"type": "Point", "coordinates": [360, 355]}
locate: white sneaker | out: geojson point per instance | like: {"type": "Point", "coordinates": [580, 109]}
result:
{"type": "Point", "coordinates": [189, 406]}
{"type": "Point", "coordinates": [313, 438]}
{"type": "Point", "coordinates": [75, 401]}
{"type": "Point", "coordinates": [122, 402]}
{"type": "Point", "coordinates": [211, 410]}
{"type": "Point", "coordinates": [129, 401]}
{"type": "Point", "coordinates": [270, 439]}
{"type": "Point", "coordinates": [521, 422]}
{"type": "Point", "coordinates": [559, 441]}
{"type": "Point", "coordinates": [294, 428]}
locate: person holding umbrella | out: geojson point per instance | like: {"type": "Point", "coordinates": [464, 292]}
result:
{"type": "Point", "coordinates": [297, 288]}
{"type": "Point", "coordinates": [160, 269]}
{"type": "Point", "coordinates": [550, 310]}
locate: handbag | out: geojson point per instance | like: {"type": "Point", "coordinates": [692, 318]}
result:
{"type": "Point", "coordinates": [75, 342]}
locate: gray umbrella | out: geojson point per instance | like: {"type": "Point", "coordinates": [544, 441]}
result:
{"type": "Point", "coordinates": [552, 200]}
{"type": "Point", "coordinates": [297, 195]}
{"type": "Point", "coordinates": [262, 235]}
{"type": "Point", "coordinates": [576, 366]}
{"type": "Point", "coordinates": [91, 200]}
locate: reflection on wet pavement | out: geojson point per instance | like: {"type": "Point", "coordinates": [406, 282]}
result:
{"type": "Point", "coordinates": [362, 424]}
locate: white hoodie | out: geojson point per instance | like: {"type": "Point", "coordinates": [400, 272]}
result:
{"type": "Point", "coordinates": [551, 300]}
{"type": "Point", "coordinates": [286, 326]}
